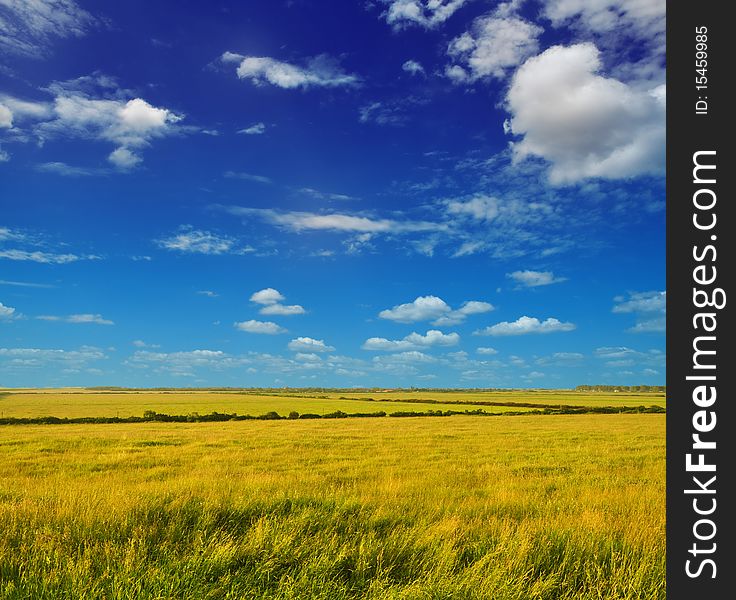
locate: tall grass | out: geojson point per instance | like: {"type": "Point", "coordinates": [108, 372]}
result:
{"type": "Point", "coordinates": [517, 508]}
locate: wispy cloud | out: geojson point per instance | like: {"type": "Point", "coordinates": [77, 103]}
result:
{"type": "Point", "coordinates": [83, 318]}
{"type": "Point", "coordinates": [320, 71]}
{"type": "Point", "coordinates": [195, 241]}
{"type": "Point", "coordinates": [306, 221]}
{"type": "Point", "coordinates": [255, 129]}
{"type": "Point", "coordinates": [44, 257]}
{"type": "Point", "coordinates": [247, 176]}
{"type": "Point", "coordinates": [29, 284]}
{"type": "Point", "coordinates": [60, 168]}
{"type": "Point", "coordinates": [29, 28]}
{"type": "Point", "coordinates": [650, 309]}
{"type": "Point", "coordinates": [534, 278]}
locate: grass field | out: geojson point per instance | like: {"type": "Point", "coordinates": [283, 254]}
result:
{"type": "Point", "coordinates": [85, 403]}
{"type": "Point", "coordinates": [523, 507]}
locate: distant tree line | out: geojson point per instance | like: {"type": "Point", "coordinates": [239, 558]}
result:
{"type": "Point", "coordinates": [621, 388]}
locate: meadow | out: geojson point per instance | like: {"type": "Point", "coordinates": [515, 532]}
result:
{"type": "Point", "coordinates": [514, 507]}
{"type": "Point", "coordinates": [79, 402]}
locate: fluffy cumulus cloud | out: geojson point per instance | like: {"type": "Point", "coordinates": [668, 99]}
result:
{"type": "Point", "coordinates": [320, 71]}
{"type": "Point", "coordinates": [432, 308]}
{"type": "Point", "coordinates": [310, 345]}
{"type": "Point", "coordinates": [267, 296]}
{"type": "Point", "coordinates": [525, 325]}
{"type": "Point", "coordinates": [194, 241]}
{"type": "Point", "coordinates": [94, 107]}
{"type": "Point", "coordinates": [497, 43]}
{"type": "Point", "coordinates": [30, 27]}
{"type": "Point", "coordinates": [412, 341]}
{"type": "Point", "coordinates": [534, 278]}
{"type": "Point", "coordinates": [270, 299]}
{"type": "Point", "coordinates": [131, 125]}
{"type": "Point", "coordinates": [650, 309]}
{"type": "Point", "coordinates": [583, 123]}
{"type": "Point", "coordinates": [424, 13]}
{"type": "Point", "coordinates": [487, 351]}
{"type": "Point", "coordinates": [413, 67]}
{"type": "Point", "coordinates": [263, 327]}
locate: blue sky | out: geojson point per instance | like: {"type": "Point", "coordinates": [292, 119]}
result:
{"type": "Point", "coordinates": [437, 193]}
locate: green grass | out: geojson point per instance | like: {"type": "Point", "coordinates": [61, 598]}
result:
{"type": "Point", "coordinates": [526, 507]}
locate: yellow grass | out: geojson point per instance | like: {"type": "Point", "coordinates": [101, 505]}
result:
{"type": "Point", "coordinates": [462, 507]}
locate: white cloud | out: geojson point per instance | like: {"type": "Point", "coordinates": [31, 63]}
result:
{"type": "Point", "coordinates": [65, 170]}
{"type": "Point", "coordinates": [525, 325]}
{"type": "Point", "coordinates": [534, 278]}
{"type": "Point", "coordinates": [480, 208]}
{"type": "Point", "coordinates": [425, 13]}
{"type": "Point", "coordinates": [307, 344]}
{"type": "Point", "coordinates": [650, 309]}
{"type": "Point", "coordinates": [586, 125]}
{"type": "Point", "coordinates": [199, 242]}
{"type": "Point", "coordinates": [6, 117]}
{"type": "Point", "coordinates": [410, 356]}
{"type": "Point", "coordinates": [472, 307]}
{"type": "Point", "coordinates": [561, 359]}
{"type": "Point", "coordinates": [609, 352]}
{"type": "Point", "coordinates": [283, 309]}
{"type": "Point", "coordinates": [656, 325]}
{"type": "Point", "coordinates": [43, 257]}
{"type": "Point", "coordinates": [78, 318]}
{"type": "Point", "coordinates": [255, 129]}
{"type": "Point", "coordinates": [413, 67]}
{"type": "Point", "coordinates": [324, 195]}
{"type": "Point", "coordinates": [267, 296]}
{"type": "Point", "coordinates": [424, 308]}
{"type": "Point", "coordinates": [247, 176]}
{"type": "Point", "coordinates": [6, 312]}
{"type": "Point", "coordinates": [495, 45]}
{"type": "Point", "coordinates": [432, 308]}
{"type": "Point", "coordinates": [93, 107]}
{"type": "Point", "coordinates": [124, 159]}
{"type": "Point", "coordinates": [264, 327]}
{"type": "Point", "coordinates": [486, 351]}
{"type": "Point", "coordinates": [414, 340]}
{"type": "Point", "coordinates": [142, 344]}
{"type": "Point", "coordinates": [208, 293]}
{"type": "Point", "coordinates": [30, 358]}
{"type": "Point", "coordinates": [307, 221]}
{"type": "Point", "coordinates": [642, 302]}
{"type": "Point", "coordinates": [271, 301]}
{"type": "Point", "coordinates": [4, 156]}
{"type": "Point", "coordinates": [608, 15]}
{"type": "Point", "coordinates": [28, 27]}
{"type": "Point", "coordinates": [320, 71]}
